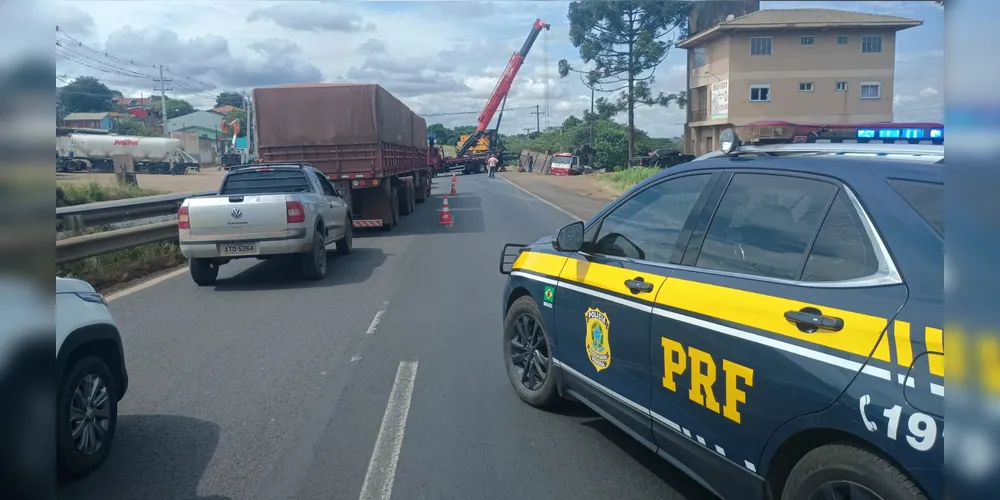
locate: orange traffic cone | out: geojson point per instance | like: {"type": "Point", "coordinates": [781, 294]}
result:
{"type": "Point", "coordinates": [446, 219]}
{"type": "Point", "coordinates": [454, 182]}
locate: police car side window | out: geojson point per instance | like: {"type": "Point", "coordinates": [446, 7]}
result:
{"type": "Point", "coordinates": [842, 250]}
{"type": "Point", "coordinates": [764, 224]}
{"type": "Point", "coordinates": [646, 226]}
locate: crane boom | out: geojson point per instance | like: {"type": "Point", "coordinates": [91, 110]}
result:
{"type": "Point", "coordinates": [503, 86]}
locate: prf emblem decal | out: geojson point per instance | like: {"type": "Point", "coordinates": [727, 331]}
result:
{"type": "Point", "coordinates": [598, 347]}
{"type": "Point", "coordinates": [550, 293]}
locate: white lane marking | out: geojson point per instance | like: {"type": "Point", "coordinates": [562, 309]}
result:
{"type": "Point", "coordinates": [146, 284]}
{"type": "Point", "coordinates": [375, 321]}
{"type": "Point", "coordinates": [382, 466]}
{"type": "Point", "coordinates": [937, 389]}
{"type": "Point", "coordinates": [543, 200]}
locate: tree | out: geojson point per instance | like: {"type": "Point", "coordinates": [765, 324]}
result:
{"type": "Point", "coordinates": [132, 126]}
{"type": "Point", "coordinates": [622, 41]}
{"type": "Point", "coordinates": [238, 114]}
{"type": "Point", "coordinates": [178, 107]}
{"type": "Point", "coordinates": [234, 99]}
{"type": "Point", "coordinates": [442, 134]}
{"type": "Point", "coordinates": [86, 94]}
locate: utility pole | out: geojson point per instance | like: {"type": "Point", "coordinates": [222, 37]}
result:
{"type": "Point", "coordinates": [527, 130]}
{"type": "Point", "coordinates": [592, 117]}
{"type": "Point", "coordinates": [538, 118]}
{"type": "Point", "coordinates": [163, 99]}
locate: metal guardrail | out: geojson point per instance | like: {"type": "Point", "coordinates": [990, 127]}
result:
{"type": "Point", "coordinates": [124, 210]}
{"type": "Point", "coordinates": [89, 245]}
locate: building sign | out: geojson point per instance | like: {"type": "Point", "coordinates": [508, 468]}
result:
{"type": "Point", "coordinates": [719, 100]}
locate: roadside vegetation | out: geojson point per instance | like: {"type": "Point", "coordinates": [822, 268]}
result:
{"type": "Point", "coordinates": [68, 195]}
{"type": "Point", "coordinates": [106, 271]}
{"type": "Point", "coordinates": [623, 180]}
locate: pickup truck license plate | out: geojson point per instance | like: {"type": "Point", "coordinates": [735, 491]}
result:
{"type": "Point", "coordinates": [232, 249]}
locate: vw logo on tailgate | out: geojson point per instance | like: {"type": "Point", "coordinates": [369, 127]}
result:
{"type": "Point", "coordinates": [236, 213]}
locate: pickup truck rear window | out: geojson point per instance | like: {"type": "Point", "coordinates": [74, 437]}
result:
{"type": "Point", "coordinates": [266, 182]}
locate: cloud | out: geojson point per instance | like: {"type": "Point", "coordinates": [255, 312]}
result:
{"type": "Point", "coordinates": [307, 16]}
{"type": "Point", "coordinates": [75, 21]}
{"type": "Point", "coordinates": [372, 46]}
{"type": "Point", "coordinates": [207, 58]}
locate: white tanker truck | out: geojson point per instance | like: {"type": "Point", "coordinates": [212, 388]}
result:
{"type": "Point", "coordinates": [81, 152]}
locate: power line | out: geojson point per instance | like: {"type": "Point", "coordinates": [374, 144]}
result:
{"type": "Point", "coordinates": [69, 48]}
{"type": "Point", "coordinates": [457, 113]}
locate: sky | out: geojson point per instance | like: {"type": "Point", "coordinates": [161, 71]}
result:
{"type": "Point", "coordinates": [440, 58]}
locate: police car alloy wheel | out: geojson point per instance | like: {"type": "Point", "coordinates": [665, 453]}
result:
{"type": "Point", "coordinates": [845, 472]}
{"type": "Point", "coordinates": [527, 354]}
{"type": "Point", "coordinates": [88, 415]}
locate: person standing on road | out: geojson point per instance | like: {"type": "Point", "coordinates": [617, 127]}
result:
{"type": "Point", "coordinates": [492, 163]}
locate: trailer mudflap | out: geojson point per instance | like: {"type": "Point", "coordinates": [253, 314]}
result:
{"type": "Point", "coordinates": [368, 223]}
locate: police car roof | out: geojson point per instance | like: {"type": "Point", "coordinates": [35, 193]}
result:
{"type": "Point", "coordinates": [846, 168]}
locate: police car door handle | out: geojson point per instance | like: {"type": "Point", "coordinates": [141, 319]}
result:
{"type": "Point", "coordinates": [638, 285]}
{"type": "Point", "coordinates": [810, 320]}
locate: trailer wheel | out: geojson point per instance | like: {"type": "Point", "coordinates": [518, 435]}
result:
{"type": "Point", "coordinates": [403, 196]}
{"type": "Point", "coordinates": [422, 188]}
{"type": "Point", "coordinates": [394, 210]}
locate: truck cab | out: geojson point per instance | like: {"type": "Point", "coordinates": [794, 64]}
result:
{"type": "Point", "coordinates": [565, 164]}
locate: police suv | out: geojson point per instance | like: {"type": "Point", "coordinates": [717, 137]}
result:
{"type": "Point", "coordinates": [767, 318]}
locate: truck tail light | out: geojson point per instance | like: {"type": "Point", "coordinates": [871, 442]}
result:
{"type": "Point", "coordinates": [183, 222]}
{"type": "Point", "coordinates": [295, 211]}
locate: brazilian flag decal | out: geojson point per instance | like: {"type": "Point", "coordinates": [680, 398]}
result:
{"type": "Point", "coordinates": [549, 294]}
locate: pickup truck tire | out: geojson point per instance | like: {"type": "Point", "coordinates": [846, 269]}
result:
{"type": "Point", "coordinates": [346, 244]}
{"type": "Point", "coordinates": [314, 261]}
{"type": "Point", "coordinates": [203, 271]}
{"type": "Point", "coordinates": [842, 465]}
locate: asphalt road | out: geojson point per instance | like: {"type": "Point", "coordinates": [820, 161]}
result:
{"type": "Point", "coordinates": [269, 387]}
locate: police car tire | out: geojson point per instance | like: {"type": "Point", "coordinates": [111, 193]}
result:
{"type": "Point", "coordinates": [546, 395]}
{"type": "Point", "coordinates": [842, 462]}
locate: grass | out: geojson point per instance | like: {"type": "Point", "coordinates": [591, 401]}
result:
{"type": "Point", "coordinates": [76, 194]}
{"type": "Point", "coordinates": [123, 266]}
{"type": "Point", "coordinates": [623, 180]}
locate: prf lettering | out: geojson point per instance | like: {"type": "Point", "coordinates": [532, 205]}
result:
{"type": "Point", "coordinates": [704, 372]}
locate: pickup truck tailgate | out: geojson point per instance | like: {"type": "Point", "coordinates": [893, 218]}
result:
{"type": "Point", "coordinates": [237, 214]}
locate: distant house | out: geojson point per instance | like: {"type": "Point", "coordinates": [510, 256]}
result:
{"type": "Point", "coordinates": [225, 110]}
{"type": "Point", "coordinates": [206, 124]}
{"type": "Point", "coordinates": [103, 121]}
{"type": "Point", "coordinates": [131, 102]}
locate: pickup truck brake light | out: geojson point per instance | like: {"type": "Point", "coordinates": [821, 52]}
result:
{"type": "Point", "coordinates": [183, 222]}
{"type": "Point", "coordinates": [296, 213]}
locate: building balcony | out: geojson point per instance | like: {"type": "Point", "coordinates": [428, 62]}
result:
{"type": "Point", "coordinates": [698, 115]}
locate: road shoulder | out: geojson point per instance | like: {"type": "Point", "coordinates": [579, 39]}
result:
{"type": "Point", "coordinates": [576, 196]}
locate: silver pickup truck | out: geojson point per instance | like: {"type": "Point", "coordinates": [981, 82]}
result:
{"type": "Point", "coordinates": [263, 211]}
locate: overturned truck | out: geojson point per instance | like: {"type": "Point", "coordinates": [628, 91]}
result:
{"type": "Point", "coordinates": [368, 143]}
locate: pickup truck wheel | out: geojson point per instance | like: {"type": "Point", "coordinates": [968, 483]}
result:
{"type": "Point", "coordinates": [203, 271]}
{"type": "Point", "coordinates": [346, 244]}
{"type": "Point", "coordinates": [314, 261]}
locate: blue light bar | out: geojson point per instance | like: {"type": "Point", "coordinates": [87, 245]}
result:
{"type": "Point", "coordinates": [866, 133]}
{"type": "Point", "coordinates": [888, 133]}
{"type": "Point", "coordinates": [937, 133]}
{"type": "Point", "coordinates": [913, 133]}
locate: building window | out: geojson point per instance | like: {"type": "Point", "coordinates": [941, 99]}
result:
{"type": "Point", "coordinates": [760, 46]}
{"type": "Point", "coordinates": [808, 40]}
{"type": "Point", "coordinates": [805, 87]}
{"type": "Point", "coordinates": [841, 40]}
{"type": "Point", "coordinates": [871, 90]}
{"type": "Point", "coordinates": [841, 87]}
{"type": "Point", "coordinates": [700, 57]}
{"type": "Point", "coordinates": [760, 93]}
{"type": "Point", "coordinates": [871, 44]}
